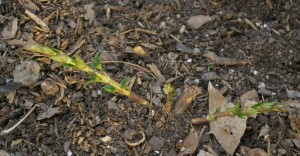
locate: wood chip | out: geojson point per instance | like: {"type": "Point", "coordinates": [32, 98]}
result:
{"type": "Point", "coordinates": [156, 72]}
{"type": "Point", "coordinates": [251, 24]}
{"type": "Point", "coordinates": [36, 19]}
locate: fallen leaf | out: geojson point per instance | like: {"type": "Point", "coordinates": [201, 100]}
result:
{"type": "Point", "coordinates": [188, 94]}
{"type": "Point", "coordinates": [252, 152]}
{"type": "Point", "coordinates": [190, 143]}
{"type": "Point", "coordinates": [227, 130]}
{"type": "Point", "coordinates": [90, 13]}
{"type": "Point", "coordinates": [49, 113]}
{"type": "Point", "coordinates": [196, 22]}
{"type": "Point", "coordinates": [3, 153]}
{"type": "Point", "coordinates": [139, 51]}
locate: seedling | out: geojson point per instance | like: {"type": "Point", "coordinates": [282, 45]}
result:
{"type": "Point", "coordinates": [95, 70]}
{"type": "Point", "coordinates": [258, 108]}
{"type": "Point", "coordinates": [170, 91]}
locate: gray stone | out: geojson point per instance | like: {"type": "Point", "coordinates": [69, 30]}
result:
{"type": "Point", "coordinates": [282, 151]}
{"type": "Point", "coordinates": [27, 73]}
{"type": "Point", "coordinates": [209, 76]}
{"type": "Point", "coordinates": [156, 143]}
{"type": "Point", "coordinates": [296, 143]}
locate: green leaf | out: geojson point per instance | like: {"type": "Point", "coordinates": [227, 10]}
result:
{"type": "Point", "coordinates": [67, 65]}
{"type": "Point", "coordinates": [124, 82]}
{"type": "Point", "coordinates": [92, 80]}
{"type": "Point", "coordinates": [110, 89]}
{"type": "Point", "coordinates": [96, 62]}
{"type": "Point", "coordinates": [218, 109]}
{"type": "Point", "coordinates": [210, 67]}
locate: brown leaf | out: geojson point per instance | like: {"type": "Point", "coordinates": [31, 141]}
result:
{"type": "Point", "coordinates": [186, 97]}
{"type": "Point", "coordinates": [49, 113]}
{"type": "Point", "coordinates": [196, 22]}
{"type": "Point", "coordinates": [227, 130]}
{"type": "Point", "coordinates": [190, 143]}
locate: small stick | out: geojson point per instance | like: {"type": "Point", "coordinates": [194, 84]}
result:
{"type": "Point", "coordinates": [36, 19]}
{"type": "Point", "coordinates": [18, 123]}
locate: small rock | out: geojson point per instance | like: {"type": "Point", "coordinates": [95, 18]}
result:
{"type": "Point", "coordinates": [163, 24]}
{"type": "Point", "coordinates": [149, 130]}
{"type": "Point", "coordinates": [292, 94]}
{"type": "Point", "coordinates": [171, 152]}
{"type": "Point", "coordinates": [196, 51]}
{"type": "Point", "coordinates": [183, 48]}
{"type": "Point", "coordinates": [282, 151]}
{"type": "Point", "coordinates": [296, 143]}
{"type": "Point", "coordinates": [49, 88]}
{"type": "Point", "coordinates": [113, 149]}
{"type": "Point", "coordinates": [27, 73]}
{"type": "Point", "coordinates": [3, 153]}
{"type": "Point", "coordinates": [196, 22]}
{"type": "Point", "coordinates": [252, 79]}
{"type": "Point", "coordinates": [156, 143]}
{"type": "Point", "coordinates": [10, 96]}
{"type": "Point", "coordinates": [72, 24]}
{"type": "Point", "coordinates": [159, 124]}
{"type": "Point", "coordinates": [2, 46]}
{"type": "Point", "coordinates": [10, 30]}
{"type": "Point", "coordinates": [209, 76]}
{"type": "Point", "coordinates": [106, 139]}
{"type": "Point", "coordinates": [76, 97]}
{"type": "Point", "coordinates": [261, 85]}
{"type": "Point", "coordinates": [94, 93]}
{"type": "Point", "coordinates": [289, 142]}
{"type": "Point", "coordinates": [111, 105]}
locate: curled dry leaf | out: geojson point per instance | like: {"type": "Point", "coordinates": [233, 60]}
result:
{"type": "Point", "coordinates": [138, 142]}
{"type": "Point", "coordinates": [139, 51]}
{"type": "Point", "coordinates": [224, 60]}
{"type": "Point", "coordinates": [187, 96]}
{"type": "Point", "coordinates": [190, 143]}
{"type": "Point", "coordinates": [227, 130]}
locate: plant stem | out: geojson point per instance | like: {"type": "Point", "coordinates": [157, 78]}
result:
{"type": "Point", "coordinates": [79, 64]}
{"type": "Point", "coordinates": [263, 107]}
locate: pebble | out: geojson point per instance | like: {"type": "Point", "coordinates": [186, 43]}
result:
{"type": "Point", "coordinates": [11, 29]}
{"type": "Point", "coordinates": [163, 24]}
{"type": "Point", "coordinates": [261, 85]}
{"type": "Point", "coordinates": [281, 151]}
{"type": "Point", "coordinates": [106, 139]}
{"type": "Point", "coordinates": [292, 94]}
{"type": "Point", "coordinates": [113, 149]}
{"type": "Point", "coordinates": [196, 51]}
{"type": "Point", "coordinates": [27, 73]}
{"type": "Point", "coordinates": [296, 143]}
{"type": "Point", "coordinates": [196, 22]}
{"type": "Point", "coordinates": [2, 46]}
{"type": "Point", "coordinates": [156, 143]}
{"type": "Point", "coordinates": [94, 93]}
{"type": "Point", "coordinates": [265, 92]}
{"type": "Point", "coordinates": [209, 76]}
{"type": "Point", "coordinates": [182, 28]}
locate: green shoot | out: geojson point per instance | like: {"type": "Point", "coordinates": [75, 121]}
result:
{"type": "Point", "coordinates": [258, 108]}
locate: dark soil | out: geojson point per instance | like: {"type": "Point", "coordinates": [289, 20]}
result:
{"type": "Point", "coordinates": [88, 114]}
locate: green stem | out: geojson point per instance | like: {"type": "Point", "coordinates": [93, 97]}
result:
{"type": "Point", "coordinates": [79, 64]}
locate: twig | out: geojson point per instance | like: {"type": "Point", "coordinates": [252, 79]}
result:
{"type": "Point", "coordinates": [18, 123]}
{"type": "Point", "coordinates": [36, 19]}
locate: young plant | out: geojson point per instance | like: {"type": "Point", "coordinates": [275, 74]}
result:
{"type": "Point", "coordinates": [258, 108]}
{"type": "Point", "coordinates": [95, 70]}
{"type": "Point", "coordinates": [170, 91]}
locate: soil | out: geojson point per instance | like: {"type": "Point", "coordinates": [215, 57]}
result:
{"type": "Point", "coordinates": [92, 121]}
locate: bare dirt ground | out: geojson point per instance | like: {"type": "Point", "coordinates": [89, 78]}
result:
{"type": "Point", "coordinates": [89, 121]}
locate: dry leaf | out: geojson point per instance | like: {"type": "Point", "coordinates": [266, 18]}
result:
{"type": "Point", "coordinates": [190, 143]}
{"type": "Point", "coordinates": [252, 152]}
{"type": "Point", "coordinates": [3, 153]}
{"type": "Point", "coordinates": [139, 51]}
{"type": "Point", "coordinates": [188, 94]}
{"type": "Point", "coordinates": [90, 13]}
{"type": "Point", "coordinates": [49, 113]}
{"type": "Point", "coordinates": [227, 130]}
{"type": "Point", "coordinates": [196, 22]}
